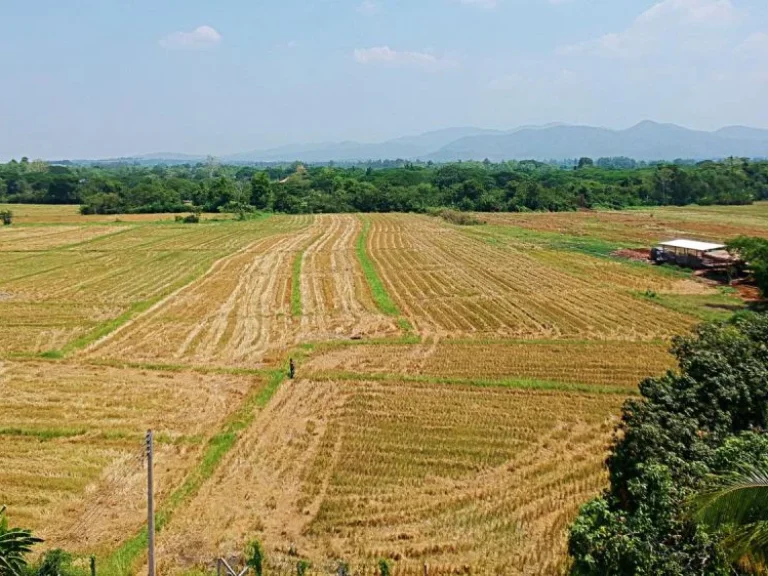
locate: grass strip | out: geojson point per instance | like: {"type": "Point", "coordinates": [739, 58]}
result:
{"type": "Point", "coordinates": [517, 384]}
{"type": "Point", "coordinates": [707, 307]}
{"type": "Point", "coordinates": [110, 326]}
{"type": "Point", "coordinates": [43, 433]}
{"type": "Point", "coordinates": [296, 308]}
{"type": "Point", "coordinates": [176, 367]}
{"type": "Point", "coordinates": [383, 302]}
{"type": "Point", "coordinates": [122, 561]}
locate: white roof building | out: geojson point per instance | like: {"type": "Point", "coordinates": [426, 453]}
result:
{"type": "Point", "coordinates": [692, 245]}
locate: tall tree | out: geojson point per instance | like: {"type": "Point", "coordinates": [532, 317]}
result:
{"type": "Point", "coordinates": [261, 189]}
{"type": "Point", "coordinates": [754, 251]}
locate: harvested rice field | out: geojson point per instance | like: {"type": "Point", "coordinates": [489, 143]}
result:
{"type": "Point", "coordinates": [455, 392]}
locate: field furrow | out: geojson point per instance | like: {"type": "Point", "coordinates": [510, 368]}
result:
{"type": "Point", "coordinates": [449, 284]}
{"type": "Point", "coordinates": [231, 316]}
{"type": "Point", "coordinates": [447, 475]}
{"type": "Point", "coordinates": [71, 465]}
{"type": "Point", "coordinates": [335, 298]}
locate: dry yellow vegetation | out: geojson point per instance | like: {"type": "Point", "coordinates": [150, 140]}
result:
{"type": "Point", "coordinates": [453, 476]}
{"type": "Point", "coordinates": [713, 223]}
{"type": "Point", "coordinates": [50, 298]}
{"type": "Point", "coordinates": [449, 283]}
{"type": "Point", "coordinates": [71, 465]}
{"type": "Point", "coordinates": [457, 385]}
{"type": "Point", "coordinates": [241, 310]}
{"type": "Point", "coordinates": [594, 363]}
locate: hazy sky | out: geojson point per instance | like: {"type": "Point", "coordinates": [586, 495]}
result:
{"type": "Point", "coordinates": [101, 78]}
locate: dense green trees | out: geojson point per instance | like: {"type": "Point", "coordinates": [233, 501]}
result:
{"type": "Point", "coordinates": [707, 418]}
{"type": "Point", "coordinates": [379, 187]}
{"type": "Point", "coordinates": [755, 252]}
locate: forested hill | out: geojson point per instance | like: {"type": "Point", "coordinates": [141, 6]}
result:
{"type": "Point", "coordinates": [481, 186]}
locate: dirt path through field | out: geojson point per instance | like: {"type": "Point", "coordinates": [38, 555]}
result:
{"type": "Point", "coordinates": [336, 300]}
{"type": "Point", "coordinates": [257, 491]}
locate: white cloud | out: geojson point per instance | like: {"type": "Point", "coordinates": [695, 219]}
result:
{"type": "Point", "coordinates": [289, 45]}
{"type": "Point", "coordinates": [487, 4]}
{"type": "Point", "coordinates": [707, 12]}
{"type": "Point", "coordinates": [386, 55]}
{"type": "Point", "coordinates": [755, 46]}
{"type": "Point", "coordinates": [368, 7]}
{"type": "Point", "coordinates": [687, 25]}
{"type": "Point", "coordinates": [200, 37]}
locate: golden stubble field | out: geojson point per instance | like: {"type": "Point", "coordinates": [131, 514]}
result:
{"type": "Point", "coordinates": [456, 386]}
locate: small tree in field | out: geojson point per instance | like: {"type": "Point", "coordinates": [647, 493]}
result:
{"type": "Point", "coordinates": [7, 217]}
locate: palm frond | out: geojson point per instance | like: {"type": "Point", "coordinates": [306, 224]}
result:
{"type": "Point", "coordinates": [749, 541]}
{"type": "Point", "coordinates": [14, 545]}
{"type": "Point", "coordinates": [742, 499]}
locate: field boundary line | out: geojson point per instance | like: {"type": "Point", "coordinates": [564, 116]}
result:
{"type": "Point", "coordinates": [296, 301]}
{"type": "Point", "coordinates": [130, 317]}
{"type": "Point", "coordinates": [160, 367]}
{"type": "Point", "coordinates": [514, 383]}
{"type": "Point", "coordinates": [379, 293]}
{"type": "Point", "coordinates": [383, 300]}
{"type": "Point", "coordinates": [126, 228]}
{"type": "Point", "coordinates": [121, 561]}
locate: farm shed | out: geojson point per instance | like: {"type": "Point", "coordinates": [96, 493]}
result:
{"type": "Point", "coordinates": [692, 253]}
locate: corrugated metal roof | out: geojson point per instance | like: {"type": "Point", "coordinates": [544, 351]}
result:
{"type": "Point", "coordinates": [692, 245]}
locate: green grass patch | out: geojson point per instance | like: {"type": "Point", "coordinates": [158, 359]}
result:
{"type": "Point", "coordinates": [296, 308]}
{"type": "Point", "coordinates": [584, 244]}
{"type": "Point", "coordinates": [707, 307]}
{"type": "Point", "coordinates": [123, 560]}
{"type": "Point", "coordinates": [52, 355]}
{"type": "Point", "coordinates": [517, 384]}
{"type": "Point", "coordinates": [380, 296]}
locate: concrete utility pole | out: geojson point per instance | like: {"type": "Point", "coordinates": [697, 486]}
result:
{"type": "Point", "coordinates": [150, 505]}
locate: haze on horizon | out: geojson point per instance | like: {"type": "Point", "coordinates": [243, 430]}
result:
{"type": "Point", "coordinates": [94, 79]}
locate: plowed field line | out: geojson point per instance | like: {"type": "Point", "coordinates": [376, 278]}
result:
{"type": "Point", "coordinates": [261, 481]}
{"type": "Point", "coordinates": [185, 325]}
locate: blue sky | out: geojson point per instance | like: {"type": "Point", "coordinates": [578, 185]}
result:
{"type": "Point", "coordinates": [101, 78]}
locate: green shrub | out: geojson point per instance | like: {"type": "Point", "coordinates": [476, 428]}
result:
{"type": "Point", "coordinates": [384, 569]}
{"type": "Point", "coordinates": [56, 563]}
{"type": "Point", "coordinates": [455, 217]}
{"type": "Point", "coordinates": [193, 218]}
{"type": "Point", "coordinates": [7, 217]}
{"type": "Point", "coordinates": [255, 555]}
{"type": "Point", "coordinates": [301, 567]}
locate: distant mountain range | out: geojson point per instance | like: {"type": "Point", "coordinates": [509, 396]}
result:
{"type": "Point", "coordinates": [645, 141]}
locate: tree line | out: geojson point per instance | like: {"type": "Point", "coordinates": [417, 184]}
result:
{"type": "Point", "coordinates": [468, 186]}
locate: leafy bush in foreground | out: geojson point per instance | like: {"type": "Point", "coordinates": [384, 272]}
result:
{"type": "Point", "coordinates": [708, 418]}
